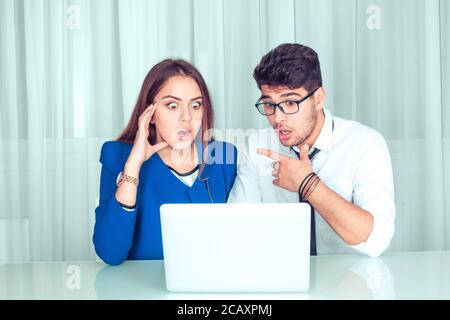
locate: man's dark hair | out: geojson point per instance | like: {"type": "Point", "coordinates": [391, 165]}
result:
{"type": "Point", "coordinates": [289, 65]}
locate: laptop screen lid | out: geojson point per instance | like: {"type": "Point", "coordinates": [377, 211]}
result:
{"type": "Point", "coordinates": [236, 247]}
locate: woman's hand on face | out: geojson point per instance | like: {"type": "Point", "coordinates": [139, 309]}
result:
{"type": "Point", "coordinates": [142, 150]}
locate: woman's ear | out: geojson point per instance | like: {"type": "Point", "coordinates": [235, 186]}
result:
{"type": "Point", "coordinates": [152, 119]}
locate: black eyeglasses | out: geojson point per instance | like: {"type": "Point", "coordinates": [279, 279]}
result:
{"type": "Point", "coordinates": [287, 107]}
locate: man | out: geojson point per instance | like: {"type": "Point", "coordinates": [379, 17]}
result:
{"type": "Point", "coordinates": [340, 167]}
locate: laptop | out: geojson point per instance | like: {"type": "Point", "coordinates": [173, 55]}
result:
{"type": "Point", "coordinates": [236, 247]}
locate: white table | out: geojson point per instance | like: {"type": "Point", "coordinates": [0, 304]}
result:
{"type": "Point", "coordinates": [414, 275]}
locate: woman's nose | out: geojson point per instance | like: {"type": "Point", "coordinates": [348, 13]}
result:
{"type": "Point", "coordinates": [185, 114]}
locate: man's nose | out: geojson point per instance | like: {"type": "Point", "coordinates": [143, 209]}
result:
{"type": "Point", "coordinates": [279, 116]}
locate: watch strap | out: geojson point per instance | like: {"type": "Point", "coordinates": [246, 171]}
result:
{"type": "Point", "coordinates": [124, 177]}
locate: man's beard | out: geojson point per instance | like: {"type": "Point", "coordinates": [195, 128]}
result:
{"type": "Point", "coordinates": [309, 127]}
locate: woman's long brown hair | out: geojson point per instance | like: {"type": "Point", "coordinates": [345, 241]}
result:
{"type": "Point", "coordinates": [153, 83]}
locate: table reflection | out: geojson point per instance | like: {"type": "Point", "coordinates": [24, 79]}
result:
{"type": "Point", "coordinates": [131, 280]}
{"type": "Point", "coordinates": [369, 278]}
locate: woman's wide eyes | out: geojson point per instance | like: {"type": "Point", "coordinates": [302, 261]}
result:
{"type": "Point", "coordinates": [173, 105]}
{"type": "Point", "coordinates": [196, 105]}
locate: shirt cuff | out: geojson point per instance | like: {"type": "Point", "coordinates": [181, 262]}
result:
{"type": "Point", "coordinates": [126, 207]}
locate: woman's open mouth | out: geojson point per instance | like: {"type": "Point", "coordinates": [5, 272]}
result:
{"type": "Point", "coordinates": [184, 134]}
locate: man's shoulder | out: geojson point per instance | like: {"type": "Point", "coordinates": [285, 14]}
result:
{"type": "Point", "coordinates": [351, 129]}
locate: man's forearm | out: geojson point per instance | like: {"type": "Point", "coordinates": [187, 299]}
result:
{"type": "Point", "coordinates": [350, 222]}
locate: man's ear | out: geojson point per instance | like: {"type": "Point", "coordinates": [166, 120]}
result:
{"type": "Point", "coordinates": [320, 98]}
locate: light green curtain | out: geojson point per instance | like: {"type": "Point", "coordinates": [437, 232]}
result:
{"type": "Point", "coordinates": [70, 72]}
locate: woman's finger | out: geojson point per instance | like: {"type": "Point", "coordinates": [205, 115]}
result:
{"type": "Point", "coordinates": [143, 118]}
{"type": "Point", "coordinates": [152, 109]}
{"type": "Point", "coordinates": [160, 146]}
{"type": "Point", "coordinates": [146, 111]}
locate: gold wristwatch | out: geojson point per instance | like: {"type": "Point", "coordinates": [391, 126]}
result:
{"type": "Point", "coordinates": [123, 177]}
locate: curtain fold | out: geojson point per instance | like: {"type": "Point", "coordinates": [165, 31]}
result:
{"type": "Point", "coordinates": [71, 70]}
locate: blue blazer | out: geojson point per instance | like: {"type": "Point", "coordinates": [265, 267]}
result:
{"type": "Point", "coordinates": [120, 234]}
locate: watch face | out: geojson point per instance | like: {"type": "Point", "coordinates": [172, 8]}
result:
{"type": "Point", "coordinates": [119, 179]}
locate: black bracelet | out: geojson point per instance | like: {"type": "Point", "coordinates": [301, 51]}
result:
{"type": "Point", "coordinates": [305, 183]}
{"type": "Point", "coordinates": [306, 186]}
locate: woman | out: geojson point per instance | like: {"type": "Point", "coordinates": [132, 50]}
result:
{"type": "Point", "coordinates": [164, 155]}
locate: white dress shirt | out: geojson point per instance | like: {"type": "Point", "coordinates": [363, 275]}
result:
{"type": "Point", "coordinates": [354, 162]}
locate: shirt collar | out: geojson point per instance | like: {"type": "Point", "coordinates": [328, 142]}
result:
{"type": "Point", "coordinates": [324, 141]}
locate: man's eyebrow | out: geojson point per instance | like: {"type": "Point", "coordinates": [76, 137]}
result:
{"type": "Point", "coordinates": [264, 97]}
{"type": "Point", "coordinates": [284, 95]}
{"type": "Point", "coordinates": [287, 94]}
{"type": "Point", "coordinates": [176, 98]}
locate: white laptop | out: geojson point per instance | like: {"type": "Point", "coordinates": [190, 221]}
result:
{"type": "Point", "coordinates": [236, 247]}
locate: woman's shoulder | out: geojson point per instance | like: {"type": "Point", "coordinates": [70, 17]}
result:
{"type": "Point", "coordinates": [223, 144]}
{"type": "Point", "coordinates": [223, 152]}
{"type": "Point", "coordinates": [114, 154]}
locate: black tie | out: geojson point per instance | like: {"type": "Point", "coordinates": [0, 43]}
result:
{"type": "Point", "coordinates": [313, 249]}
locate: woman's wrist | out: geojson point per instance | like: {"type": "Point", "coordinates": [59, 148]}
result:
{"type": "Point", "coordinates": [132, 167]}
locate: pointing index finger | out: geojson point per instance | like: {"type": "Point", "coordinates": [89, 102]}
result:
{"type": "Point", "coordinates": [269, 153]}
